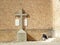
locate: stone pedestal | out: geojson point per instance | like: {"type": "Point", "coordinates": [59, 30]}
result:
{"type": "Point", "coordinates": [21, 36]}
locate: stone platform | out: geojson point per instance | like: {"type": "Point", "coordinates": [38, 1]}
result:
{"type": "Point", "coordinates": [31, 43]}
{"type": "Point", "coordinates": [55, 42]}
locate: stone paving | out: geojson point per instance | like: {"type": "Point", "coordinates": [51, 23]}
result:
{"type": "Point", "coordinates": [32, 43]}
{"type": "Point", "coordinates": [55, 42]}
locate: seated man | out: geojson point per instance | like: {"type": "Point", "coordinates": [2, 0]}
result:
{"type": "Point", "coordinates": [44, 37]}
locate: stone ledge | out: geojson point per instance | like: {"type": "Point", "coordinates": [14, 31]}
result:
{"type": "Point", "coordinates": [31, 43]}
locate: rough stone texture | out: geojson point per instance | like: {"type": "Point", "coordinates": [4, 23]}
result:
{"type": "Point", "coordinates": [7, 35]}
{"type": "Point", "coordinates": [39, 11]}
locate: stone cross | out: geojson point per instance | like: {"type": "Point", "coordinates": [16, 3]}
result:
{"type": "Point", "coordinates": [21, 35]}
{"type": "Point", "coordinates": [21, 17]}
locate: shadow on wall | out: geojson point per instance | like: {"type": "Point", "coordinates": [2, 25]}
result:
{"type": "Point", "coordinates": [30, 38]}
{"type": "Point", "coordinates": [39, 33]}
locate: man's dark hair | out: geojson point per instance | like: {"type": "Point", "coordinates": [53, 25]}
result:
{"type": "Point", "coordinates": [45, 36]}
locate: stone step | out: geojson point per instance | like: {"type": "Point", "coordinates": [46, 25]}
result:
{"type": "Point", "coordinates": [31, 43]}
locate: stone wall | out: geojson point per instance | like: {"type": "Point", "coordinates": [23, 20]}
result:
{"type": "Point", "coordinates": [56, 17]}
{"type": "Point", "coordinates": [39, 11]}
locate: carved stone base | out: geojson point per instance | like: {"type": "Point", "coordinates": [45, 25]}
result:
{"type": "Point", "coordinates": [21, 36]}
